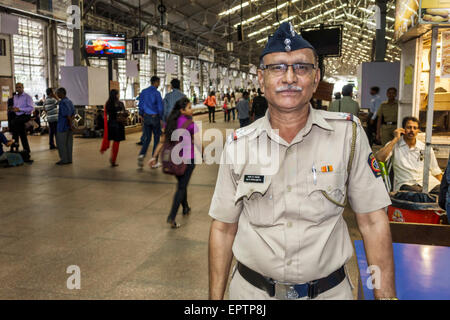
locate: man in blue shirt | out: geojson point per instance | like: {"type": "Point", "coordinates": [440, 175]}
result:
{"type": "Point", "coordinates": [151, 109]}
{"type": "Point", "coordinates": [64, 136]}
{"type": "Point", "coordinates": [6, 142]}
{"type": "Point", "coordinates": [374, 105]}
{"type": "Point", "coordinates": [172, 97]}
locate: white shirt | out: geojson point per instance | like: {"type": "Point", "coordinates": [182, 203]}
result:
{"type": "Point", "coordinates": [375, 103]}
{"type": "Point", "coordinates": [408, 165]}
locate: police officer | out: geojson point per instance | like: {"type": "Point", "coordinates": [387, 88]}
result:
{"type": "Point", "coordinates": [282, 219]}
{"type": "Point", "coordinates": [387, 117]}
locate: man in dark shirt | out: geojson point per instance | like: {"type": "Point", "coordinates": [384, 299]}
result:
{"type": "Point", "coordinates": [64, 137]}
{"type": "Point", "coordinates": [259, 106]}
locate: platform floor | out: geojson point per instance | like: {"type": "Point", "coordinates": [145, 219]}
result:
{"type": "Point", "coordinates": [108, 221]}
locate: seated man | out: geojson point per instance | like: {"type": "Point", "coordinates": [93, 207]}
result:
{"type": "Point", "coordinates": [408, 159]}
{"type": "Point", "coordinates": [11, 159]}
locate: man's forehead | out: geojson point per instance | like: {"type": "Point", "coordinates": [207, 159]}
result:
{"type": "Point", "coordinates": [411, 123]}
{"type": "Point", "coordinates": [303, 55]}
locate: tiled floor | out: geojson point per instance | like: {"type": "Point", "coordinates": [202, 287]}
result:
{"type": "Point", "coordinates": [108, 221]}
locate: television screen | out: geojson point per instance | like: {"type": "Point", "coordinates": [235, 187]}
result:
{"type": "Point", "coordinates": [105, 45]}
{"type": "Point", "coordinates": [327, 41]}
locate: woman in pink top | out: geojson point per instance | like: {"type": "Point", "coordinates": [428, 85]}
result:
{"type": "Point", "coordinates": [181, 112]}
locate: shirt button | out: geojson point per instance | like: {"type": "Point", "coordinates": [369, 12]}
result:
{"type": "Point", "coordinates": [289, 188]}
{"type": "Point", "coordinates": [289, 262]}
{"type": "Point", "coordinates": [270, 197]}
{"type": "Point", "coordinates": [289, 224]}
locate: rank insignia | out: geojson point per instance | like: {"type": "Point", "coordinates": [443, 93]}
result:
{"type": "Point", "coordinates": [327, 169]}
{"type": "Point", "coordinates": [373, 164]}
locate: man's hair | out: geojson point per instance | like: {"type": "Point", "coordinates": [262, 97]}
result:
{"type": "Point", "coordinates": [19, 83]}
{"type": "Point", "coordinates": [259, 92]}
{"type": "Point", "coordinates": [154, 79]}
{"type": "Point", "coordinates": [62, 91]}
{"type": "Point", "coordinates": [376, 89]}
{"type": "Point", "coordinates": [392, 88]}
{"type": "Point", "coordinates": [49, 91]}
{"type": "Point", "coordinates": [175, 83]}
{"type": "Point", "coordinates": [406, 119]}
{"type": "Point", "coordinates": [245, 94]}
{"type": "Point", "coordinates": [347, 90]}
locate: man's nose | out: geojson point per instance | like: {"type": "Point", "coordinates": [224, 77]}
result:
{"type": "Point", "coordinates": [289, 75]}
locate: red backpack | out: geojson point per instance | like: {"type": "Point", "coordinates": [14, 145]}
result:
{"type": "Point", "coordinates": [168, 166]}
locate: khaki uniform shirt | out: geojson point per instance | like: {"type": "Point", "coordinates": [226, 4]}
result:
{"type": "Point", "coordinates": [389, 111]}
{"type": "Point", "coordinates": [287, 229]}
{"type": "Point", "coordinates": [346, 104]}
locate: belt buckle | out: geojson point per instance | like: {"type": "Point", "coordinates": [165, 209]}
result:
{"type": "Point", "coordinates": [285, 291]}
{"type": "Point", "coordinates": [312, 289]}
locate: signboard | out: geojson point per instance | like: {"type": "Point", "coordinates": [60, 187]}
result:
{"type": "Point", "coordinates": [139, 45]}
{"type": "Point", "coordinates": [406, 16]}
{"type": "Point", "coordinates": [435, 11]}
{"type": "Point", "coordinates": [5, 93]}
{"type": "Point", "coordinates": [445, 63]}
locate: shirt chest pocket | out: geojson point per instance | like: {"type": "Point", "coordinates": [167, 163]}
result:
{"type": "Point", "coordinates": [258, 202]}
{"type": "Point", "coordinates": [326, 193]}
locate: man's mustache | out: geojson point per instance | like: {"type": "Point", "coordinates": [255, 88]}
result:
{"type": "Point", "coordinates": [289, 88]}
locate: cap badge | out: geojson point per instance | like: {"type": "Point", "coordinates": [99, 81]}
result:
{"type": "Point", "coordinates": [287, 42]}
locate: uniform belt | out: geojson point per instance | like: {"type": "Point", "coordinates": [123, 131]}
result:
{"type": "Point", "coordinates": [390, 123]}
{"type": "Point", "coordinates": [286, 291]}
{"type": "Point", "coordinates": [152, 115]}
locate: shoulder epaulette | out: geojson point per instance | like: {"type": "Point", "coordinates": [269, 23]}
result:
{"type": "Point", "coordinates": [239, 133]}
{"type": "Point", "coordinates": [340, 116]}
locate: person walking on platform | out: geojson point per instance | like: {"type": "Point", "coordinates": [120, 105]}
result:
{"type": "Point", "coordinates": [23, 107]}
{"type": "Point", "coordinates": [243, 110]}
{"type": "Point", "coordinates": [346, 104]}
{"type": "Point", "coordinates": [233, 105]}
{"type": "Point", "coordinates": [387, 117]}
{"type": "Point", "coordinates": [281, 217]}
{"type": "Point", "coordinates": [51, 108]}
{"type": "Point", "coordinates": [172, 97]}
{"type": "Point", "coordinates": [259, 106]}
{"type": "Point", "coordinates": [114, 129]}
{"type": "Point", "coordinates": [151, 109]}
{"type": "Point", "coordinates": [181, 118]}
{"type": "Point", "coordinates": [211, 103]}
{"type": "Point", "coordinates": [226, 107]}
{"type": "Point", "coordinates": [374, 105]}
{"type": "Point", "coordinates": [64, 136]}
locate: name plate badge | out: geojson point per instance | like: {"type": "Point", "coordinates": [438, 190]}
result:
{"type": "Point", "coordinates": [254, 178]}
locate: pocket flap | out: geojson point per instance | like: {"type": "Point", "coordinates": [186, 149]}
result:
{"type": "Point", "coordinates": [327, 182]}
{"type": "Point", "coordinates": [247, 189]}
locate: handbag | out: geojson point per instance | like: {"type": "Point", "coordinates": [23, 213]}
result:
{"type": "Point", "coordinates": [122, 118]}
{"type": "Point", "coordinates": [168, 165]}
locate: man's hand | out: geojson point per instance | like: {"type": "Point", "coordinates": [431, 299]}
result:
{"type": "Point", "coordinates": [398, 133]}
{"type": "Point", "coordinates": [15, 109]}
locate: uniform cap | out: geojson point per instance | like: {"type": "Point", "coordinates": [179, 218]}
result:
{"type": "Point", "coordinates": [285, 39]}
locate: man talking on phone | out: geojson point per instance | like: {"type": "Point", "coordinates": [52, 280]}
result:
{"type": "Point", "coordinates": [408, 156]}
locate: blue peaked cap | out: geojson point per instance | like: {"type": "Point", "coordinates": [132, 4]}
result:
{"type": "Point", "coordinates": [285, 39]}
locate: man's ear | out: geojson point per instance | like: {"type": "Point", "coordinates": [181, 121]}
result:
{"type": "Point", "coordinates": [261, 79]}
